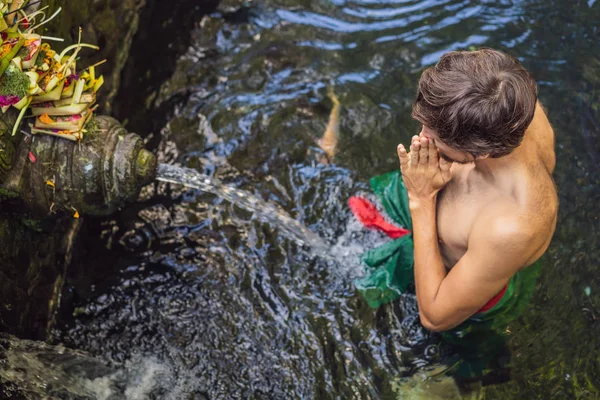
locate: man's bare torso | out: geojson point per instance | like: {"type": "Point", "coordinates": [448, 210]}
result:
{"type": "Point", "coordinates": [526, 183]}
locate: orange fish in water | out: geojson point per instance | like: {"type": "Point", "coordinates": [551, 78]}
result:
{"type": "Point", "coordinates": [330, 138]}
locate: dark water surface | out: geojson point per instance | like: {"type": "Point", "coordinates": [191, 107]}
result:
{"type": "Point", "coordinates": [220, 304]}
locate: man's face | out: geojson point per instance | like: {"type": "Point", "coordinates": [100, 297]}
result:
{"type": "Point", "coordinates": [445, 151]}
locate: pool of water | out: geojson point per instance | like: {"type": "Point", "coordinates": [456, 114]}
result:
{"type": "Point", "coordinates": [220, 304]}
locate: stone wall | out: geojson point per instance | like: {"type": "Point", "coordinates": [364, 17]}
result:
{"type": "Point", "coordinates": [110, 24]}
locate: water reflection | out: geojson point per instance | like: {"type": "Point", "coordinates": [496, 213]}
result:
{"type": "Point", "coordinates": [236, 309]}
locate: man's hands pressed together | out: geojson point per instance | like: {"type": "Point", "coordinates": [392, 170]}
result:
{"type": "Point", "coordinates": [423, 171]}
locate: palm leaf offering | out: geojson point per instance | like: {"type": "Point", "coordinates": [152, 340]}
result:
{"type": "Point", "coordinates": [36, 79]}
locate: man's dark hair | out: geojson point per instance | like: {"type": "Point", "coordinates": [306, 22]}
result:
{"type": "Point", "coordinates": [480, 102]}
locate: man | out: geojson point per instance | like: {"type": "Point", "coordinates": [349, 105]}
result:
{"type": "Point", "coordinates": [481, 195]}
{"type": "Point", "coordinates": [478, 192]}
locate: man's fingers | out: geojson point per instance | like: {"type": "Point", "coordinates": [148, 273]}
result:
{"type": "Point", "coordinates": [433, 154]}
{"type": "Point", "coordinates": [414, 153]}
{"type": "Point", "coordinates": [424, 152]}
{"type": "Point", "coordinates": [403, 156]}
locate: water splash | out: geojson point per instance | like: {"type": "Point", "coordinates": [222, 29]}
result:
{"type": "Point", "coordinates": [261, 209]}
{"type": "Point", "coordinates": [36, 370]}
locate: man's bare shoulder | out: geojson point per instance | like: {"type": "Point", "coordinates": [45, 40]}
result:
{"type": "Point", "coordinates": [505, 228]}
{"type": "Point", "coordinates": [501, 223]}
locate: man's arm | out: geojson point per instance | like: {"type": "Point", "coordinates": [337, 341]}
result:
{"type": "Point", "coordinates": [499, 245]}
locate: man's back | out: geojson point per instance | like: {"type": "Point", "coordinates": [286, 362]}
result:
{"type": "Point", "coordinates": [521, 183]}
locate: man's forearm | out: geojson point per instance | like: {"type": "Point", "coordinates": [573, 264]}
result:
{"type": "Point", "coordinates": [429, 267]}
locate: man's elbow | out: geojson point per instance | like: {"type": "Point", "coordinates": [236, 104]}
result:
{"type": "Point", "coordinates": [431, 327]}
{"type": "Point", "coordinates": [435, 326]}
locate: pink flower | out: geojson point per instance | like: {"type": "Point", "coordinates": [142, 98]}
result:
{"type": "Point", "coordinates": [8, 100]}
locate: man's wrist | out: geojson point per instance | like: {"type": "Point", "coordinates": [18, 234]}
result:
{"type": "Point", "coordinates": [416, 203]}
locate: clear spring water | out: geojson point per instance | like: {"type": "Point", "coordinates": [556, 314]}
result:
{"type": "Point", "coordinates": [219, 303]}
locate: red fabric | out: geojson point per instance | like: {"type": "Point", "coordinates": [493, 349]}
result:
{"type": "Point", "coordinates": [493, 301]}
{"type": "Point", "coordinates": [369, 216]}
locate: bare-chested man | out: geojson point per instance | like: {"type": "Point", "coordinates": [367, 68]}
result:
{"type": "Point", "coordinates": [481, 196]}
{"type": "Point", "coordinates": [481, 199]}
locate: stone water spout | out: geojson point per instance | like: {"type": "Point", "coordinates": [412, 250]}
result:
{"type": "Point", "coordinates": [94, 177]}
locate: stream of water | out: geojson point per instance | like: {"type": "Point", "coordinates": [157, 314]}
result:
{"type": "Point", "coordinates": [260, 209]}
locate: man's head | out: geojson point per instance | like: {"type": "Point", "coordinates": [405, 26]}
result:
{"type": "Point", "coordinates": [475, 104]}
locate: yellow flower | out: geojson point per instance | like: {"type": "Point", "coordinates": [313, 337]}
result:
{"type": "Point", "coordinates": [45, 118]}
